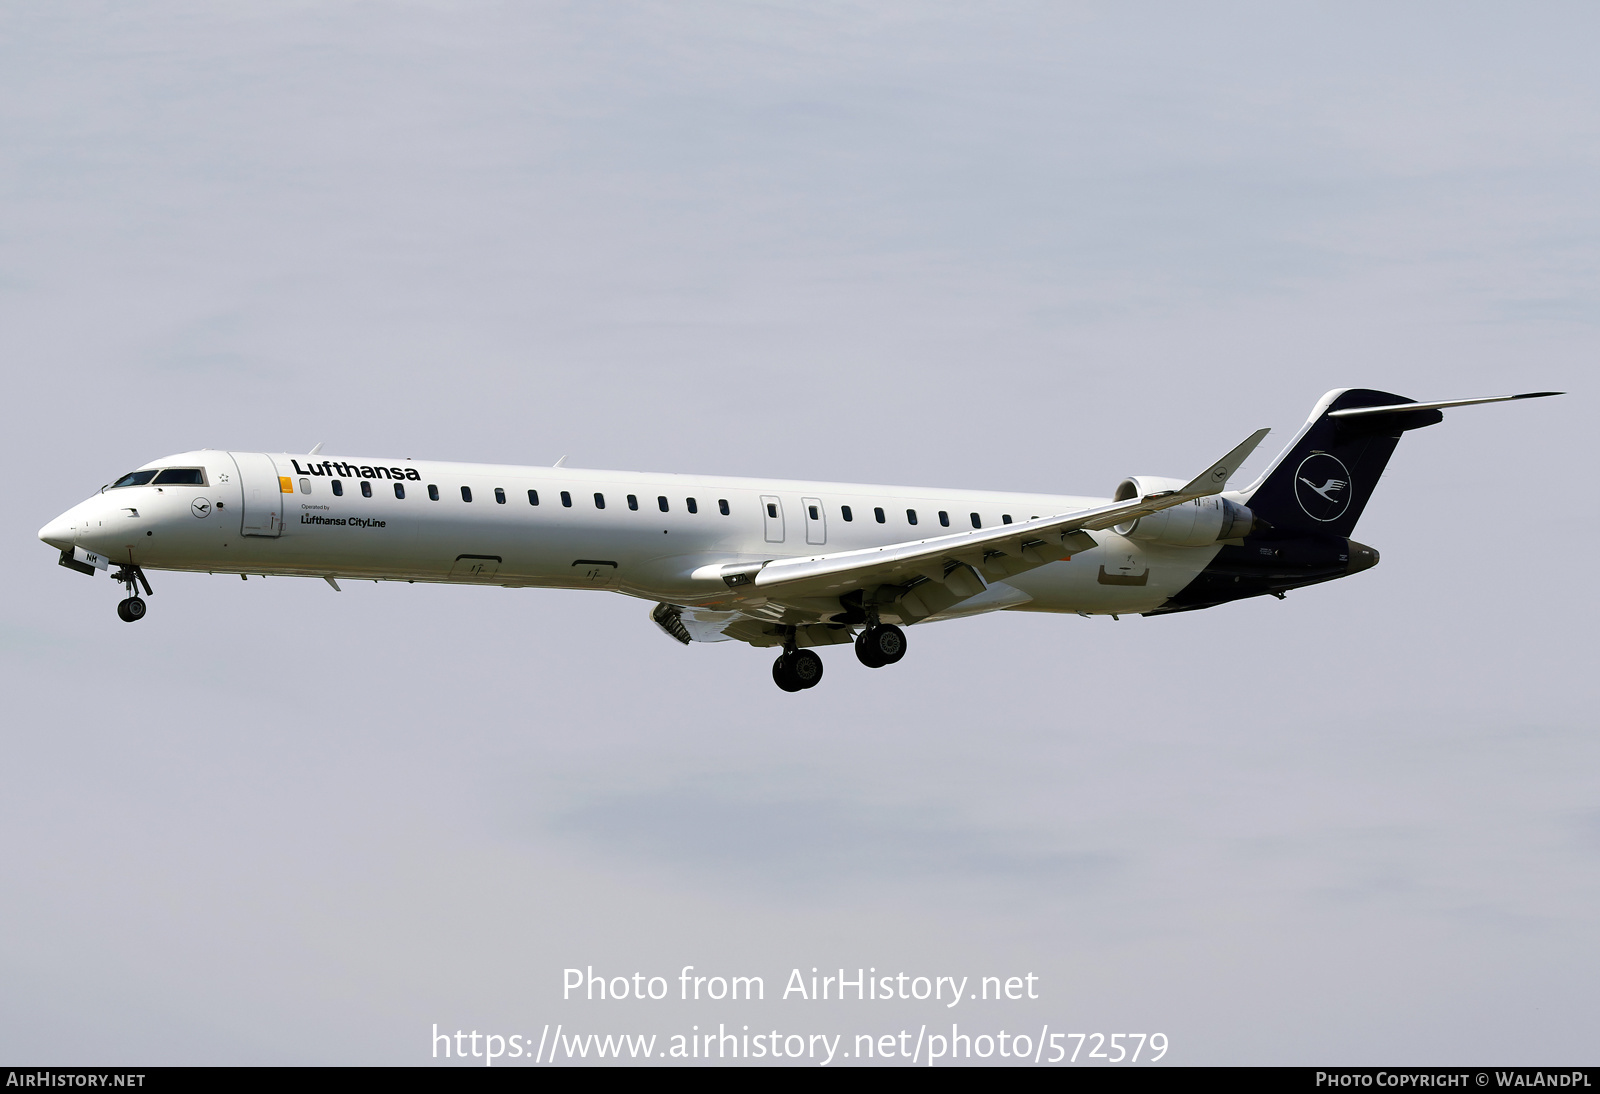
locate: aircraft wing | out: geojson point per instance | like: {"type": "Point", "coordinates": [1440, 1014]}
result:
{"type": "Point", "coordinates": [925, 577]}
{"type": "Point", "coordinates": [1046, 539]}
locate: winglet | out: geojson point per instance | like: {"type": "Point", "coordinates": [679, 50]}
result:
{"type": "Point", "coordinates": [1213, 480]}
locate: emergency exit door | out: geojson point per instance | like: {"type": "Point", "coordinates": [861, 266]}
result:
{"type": "Point", "coordinates": [772, 513]}
{"type": "Point", "coordinates": [816, 521]}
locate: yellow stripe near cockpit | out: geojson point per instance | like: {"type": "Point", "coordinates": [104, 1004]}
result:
{"type": "Point", "coordinates": [285, 484]}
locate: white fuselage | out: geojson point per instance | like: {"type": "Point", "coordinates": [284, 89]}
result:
{"type": "Point", "coordinates": [257, 513]}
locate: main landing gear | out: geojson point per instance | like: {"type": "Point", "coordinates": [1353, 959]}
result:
{"type": "Point", "coordinates": [797, 670]}
{"type": "Point", "coordinates": [879, 645]}
{"type": "Point", "coordinates": [132, 609]}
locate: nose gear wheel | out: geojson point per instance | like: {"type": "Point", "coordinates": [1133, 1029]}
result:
{"type": "Point", "coordinates": [132, 609]}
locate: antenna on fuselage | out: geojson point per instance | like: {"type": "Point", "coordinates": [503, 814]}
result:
{"type": "Point", "coordinates": [559, 462]}
{"type": "Point", "coordinates": [315, 449]}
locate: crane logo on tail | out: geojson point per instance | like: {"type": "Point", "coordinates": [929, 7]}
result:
{"type": "Point", "coordinates": [1322, 487]}
{"type": "Point", "coordinates": [1326, 488]}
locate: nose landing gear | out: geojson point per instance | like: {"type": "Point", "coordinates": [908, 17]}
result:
{"type": "Point", "coordinates": [132, 609]}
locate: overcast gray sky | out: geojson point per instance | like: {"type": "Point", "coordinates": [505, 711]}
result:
{"type": "Point", "coordinates": [1012, 246]}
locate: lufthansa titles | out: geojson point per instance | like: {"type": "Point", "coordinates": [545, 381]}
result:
{"type": "Point", "coordinates": [357, 471]}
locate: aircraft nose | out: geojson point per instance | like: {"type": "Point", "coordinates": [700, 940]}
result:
{"type": "Point", "coordinates": [59, 533]}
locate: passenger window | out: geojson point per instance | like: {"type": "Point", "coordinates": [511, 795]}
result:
{"type": "Point", "coordinates": [878, 512]}
{"type": "Point", "coordinates": [976, 523]}
{"type": "Point", "coordinates": [1005, 518]}
{"type": "Point", "coordinates": [633, 501]}
{"type": "Point", "coordinates": [135, 478]}
{"type": "Point", "coordinates": [812, 509]}
{"type": "Point", "coordinates": [911, 516]}
{"type": "Point", "coordinates": [499, 496]}
{"type": "Point", "coordinates": [844, 511]}
{"type": "Point", "coordinates": [944, 519]}
{"type": "Point", "coordinates": [722, 504]}
{"type": "Point", "coordinates": [466, 493]}
{"type": "Point", "coordinates": [338, 488]}
{"type": "Point", "coordinates": [689, 504]}
{"type": "Point", "coordinates": [533, 497]}
{"type": "Point", "coordinates": [305, 486]}
{"type": "Point", "coordinates": [772, 510]}
{"type": "Point", "coordinates": [661, 503]}
{"type": "Point", "coordinates": [180, 476]}
{"type": "Point", "coordinates": [433, 492]}
{"type": "Point", "coordinates": [400, 490]}
{"type": "Point", "coordinates": [366, 489]}
{"type": "Point", "coordinates": [566, 498]}
{"type": "Point", "coordinates": [599, 500]}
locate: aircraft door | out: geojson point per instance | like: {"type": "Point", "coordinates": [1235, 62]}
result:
{"type": "Point", "coordinates": [263, 494]}
{"type": "Point", "coordinates": [772, 513]}
{"type": "Point", "coordinates": [816, 521]}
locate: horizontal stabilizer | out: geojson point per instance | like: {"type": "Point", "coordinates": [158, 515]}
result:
{"type": "Point", "coordinates": [1400, 408]}
{"type": "Point", "coordinates": [1321, 482]}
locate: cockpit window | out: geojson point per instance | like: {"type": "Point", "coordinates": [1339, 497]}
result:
{"type": "Point", "coordinates": [136, 478]}
{"type": "Point", "coordinates": [181, 476]}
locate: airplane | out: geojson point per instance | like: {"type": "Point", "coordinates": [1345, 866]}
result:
{"type": "Point", "coordinates": [794, 565]}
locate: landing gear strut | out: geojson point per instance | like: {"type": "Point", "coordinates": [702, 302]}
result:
{"type": "Point", "coordinates": [132, 609]}
{"type": "Point", "coordinates": [880, 644]}
{"type": "Point", "coordinates": [797, 670]}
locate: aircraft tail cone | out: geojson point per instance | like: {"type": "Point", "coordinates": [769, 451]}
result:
{"type": "Point", "coordinates": [1362, 557]}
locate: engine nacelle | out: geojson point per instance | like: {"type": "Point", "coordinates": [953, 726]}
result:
{"type": "Point", "coordinates": [1197, 523]}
